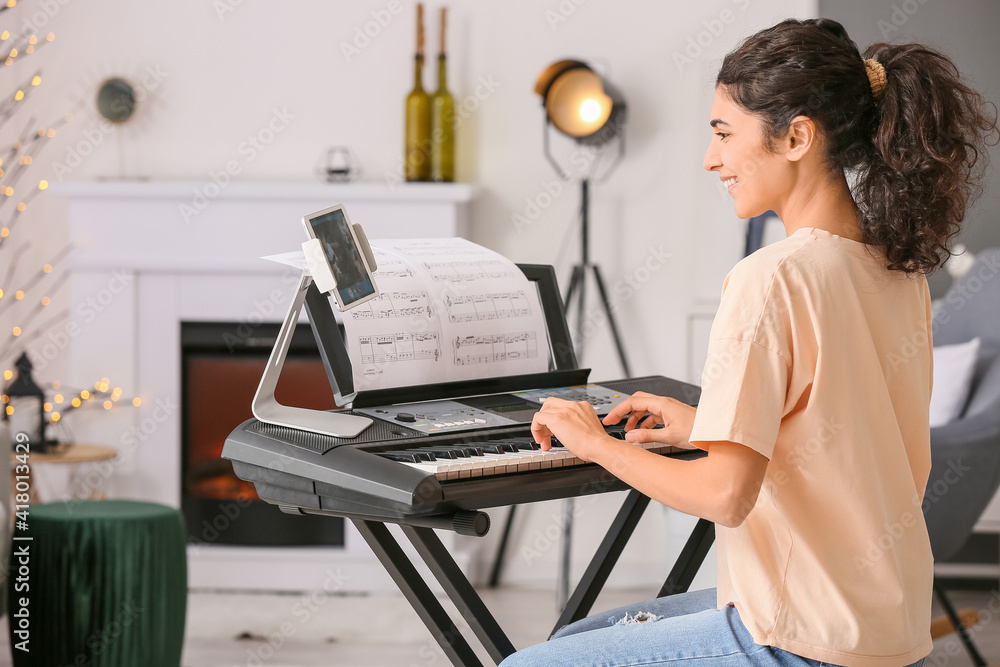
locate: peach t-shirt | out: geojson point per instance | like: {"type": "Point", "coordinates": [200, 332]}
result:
{"type": "Point", "coordinates": [820, 359]}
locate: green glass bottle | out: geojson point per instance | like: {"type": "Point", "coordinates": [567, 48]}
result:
{"type": "Point", "coordinates": [442, 119]}
{"type": "Point", "coordinates": [417, 158]}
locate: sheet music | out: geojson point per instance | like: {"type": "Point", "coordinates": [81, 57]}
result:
{"type": "Point", "coordinates": [448, 310]}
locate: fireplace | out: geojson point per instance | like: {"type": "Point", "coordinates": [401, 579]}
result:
{"type": "Point", "coordinates": [220, 366]}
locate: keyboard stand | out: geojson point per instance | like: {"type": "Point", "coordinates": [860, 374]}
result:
{"type": "Point", "coordinates": [471, 606]}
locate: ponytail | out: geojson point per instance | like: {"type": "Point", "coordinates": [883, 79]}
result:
{"type": "Point", "coordinates": [916, 153]}
{"type": "Point", "coordinates": [928, 157]}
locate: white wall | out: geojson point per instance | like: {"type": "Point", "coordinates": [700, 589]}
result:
{"type": "Point", "coordinates": [215, 77]}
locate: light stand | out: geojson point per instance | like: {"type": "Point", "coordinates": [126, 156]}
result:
{"type": "Point", "coordinates": [581, 105]}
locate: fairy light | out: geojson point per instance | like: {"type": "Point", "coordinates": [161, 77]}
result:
{"type": "Point", "coordinates": [84, 394]}
{"type": "Point", "coordinates": [46, 300]}
{"type": "Point", "coordinates": [19, 95]}
{"type": "Point", "coordinates": [58, 398]}
{"type": "Point", "coordinates": [21, 206]}
{"type": "Point", "coordinates": [56, 417]}
{"type": "Point", "coordinates": [11, 3]}
{"type": "Point", "coordinates": [49, 37]}
{"type": "Point", "coordinates": [5, 398]}
{"type": "Point", "coordinates": [33, 40]}
{"type": "Point", "coordinates": [17, 331]}
{"type": "Point", "coordinates": [107, 405]}
{"type": "Point", "coordinates": [51, 133]}
{"type": "Point", "coordinates": [1, 291]}
{"type": "Point", "coordinates": [7, 375]}
{"type": "Point", "coordinates": [29, 49]}
{"type": "Point", "coordinates": [104, 387]}
{"type": "Point", "coordinates": [4, 36]}
{"type": "Point", "coordinates": [42, 184]}
{"type": "Point", "coordinates": [13, 52]}
{"type": "Point", "coordinates": [19, 294]}
{"type": "Point", "coordinates": [47, 268]}
{"type": "Point", "coordinates": [4, 232]}
{"type": "Point", "coordinates": [10, 410]}
{"type": "Point", "coordinates": [35, 80]}
{"type": "Point", "coordinates": [47, 407]}
{"type": "Point", "coordinates": [76, 402]}
{"type": "Point", "coordinates": [56, 384]}
{"type": "Point", "coordinates": [26, 160]}
{"type": "Point", "coordinates": [8, 191]}
{"type": "Point", "coordinates": [136, 402]}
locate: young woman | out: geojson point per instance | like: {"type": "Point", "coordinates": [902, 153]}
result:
{"type": "Point", "coordinates": [814, 405]}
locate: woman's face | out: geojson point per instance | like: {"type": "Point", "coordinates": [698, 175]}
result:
{"type": "Point", "coordinates": [757, 178]}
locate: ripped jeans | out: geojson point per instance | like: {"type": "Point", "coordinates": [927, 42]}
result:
{"type": "Point", "coordinates": [683, 629]}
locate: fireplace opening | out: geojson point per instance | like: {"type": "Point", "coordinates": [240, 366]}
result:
{"type": "Point", "coordinates": [221, 364]}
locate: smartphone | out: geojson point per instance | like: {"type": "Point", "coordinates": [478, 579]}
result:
{"type": "Point", "coordinates": [342, 250]}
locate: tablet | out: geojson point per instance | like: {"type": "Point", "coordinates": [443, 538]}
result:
{"type": "Point", "coordinates": [344, 255]}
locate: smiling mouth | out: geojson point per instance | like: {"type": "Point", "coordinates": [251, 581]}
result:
{"type": "Point", "coordinates": [731, 182]}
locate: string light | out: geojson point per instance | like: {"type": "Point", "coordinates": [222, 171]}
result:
{"type": "Point", "coordinates": [76, 402]}
{"type": "Point", "coordinates": [7, 375]}
{"type": "Point", "coordinates": [47, 268]}
{"type": "Point", "coordinates": [51, 133]}
{"type": "Point", "coordinates": [4, 36]}
{"type": "Point", "coordinates": [19, 95]}
{"type": "Point", "coordinates": [5, 232]}
{"type": "Point", "coordinates": [11, 3]}
{"type": "Point", "coordinates": [26, 160]}
{"type": "Point", "coordinates": [107, 405]}
{"type": "Point", "coordinates": [42, 184]}
{"type": "Point", "coordinates": [49, 37]}
{"type": "Point", "coordinates": [19, 294]}
{"type": "Point", "coordinates": [46, 300]}
{"type": "Point", "coordinates": [47, 407]}
{"type": "Point", "coordinates": [29, 49]}
{"type": "Point", "coordinates": [136, 402]}
{"type": "Point", "coordinates": [17, 331]}
{"type": "Point", "coordinates": [84, 394]}
{"type": "Point", "coordinates": [32, 40]}
{"type": "Point", "coordinates": [56, 384]}
{"type": "Point", "coordinates": [56, 417]}
{"type": "Point", "coordinates": [8, 191]}
{"type": "Point", "coordinates": [35, 80]}
{"type": "Point", "coordinates": [58, 398]}
{"type": "Point", "coordinates": [10, 410]}
{"type": "Point", "coordinates": [21, 206]}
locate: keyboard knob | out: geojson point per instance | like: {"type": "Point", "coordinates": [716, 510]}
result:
{"type": "Point", "coordinates": [405, 417]}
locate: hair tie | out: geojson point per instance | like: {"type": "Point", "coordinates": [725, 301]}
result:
{"type": "Point", "coordinates": [876, 76]}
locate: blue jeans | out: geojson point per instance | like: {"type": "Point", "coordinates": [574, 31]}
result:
{"type": "Point", "coordinates": [683, 628]}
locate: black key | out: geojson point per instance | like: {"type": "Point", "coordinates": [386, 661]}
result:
{"type": "Point", "coordinates": [440, 452]}
{"type": "Point", "coordinates": [526, 445]}
{"type": "Point", "coordinates": [458, 449]}
{"type": "Point", "coordinates": [494, 448]}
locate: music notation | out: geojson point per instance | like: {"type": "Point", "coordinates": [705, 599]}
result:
{"type": "Point", "coordinates": [487, 306]}
{"type": "Point", "coordinates": [493, 348]}
{"type": "Point", "coordinates": [467, 271]}
{"type": "Point", "coordinates": [400, 347]}
{"type": "Point", "coordinates": [434, 292]}
{"type": "Point", "coordinates": [394, 304]}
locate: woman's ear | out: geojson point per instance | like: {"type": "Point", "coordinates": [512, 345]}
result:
{"type": "Point", "coordinates": [800, 138]}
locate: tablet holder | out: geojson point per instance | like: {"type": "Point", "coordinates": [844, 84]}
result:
{"type": "Point", "coordinates": [313, 285]}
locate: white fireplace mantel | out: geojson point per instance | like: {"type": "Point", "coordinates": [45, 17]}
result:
{"type": "Point", "coordinates": [151, 255]}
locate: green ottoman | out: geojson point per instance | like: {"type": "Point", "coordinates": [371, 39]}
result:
{"type": "Point", "coordinates": [105, 584]}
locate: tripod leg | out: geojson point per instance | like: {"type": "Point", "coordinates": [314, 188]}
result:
{"type": "Point", "coordinates": [573, 280]}
{"type": "Point", "coordinates": [611, 320]}
{"type": "Point", "coordinates": [501, 552]}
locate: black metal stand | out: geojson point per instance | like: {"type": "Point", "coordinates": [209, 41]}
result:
{"type": "Point", "coordinates": [471, 606]}
{"type": "Point", "coordinates": [956, 622]}
{"type": "Point", "coordinates": [578, 281]}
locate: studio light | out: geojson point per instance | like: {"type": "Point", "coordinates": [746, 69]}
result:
{"type": "Point", "coordinates": [584, 106]}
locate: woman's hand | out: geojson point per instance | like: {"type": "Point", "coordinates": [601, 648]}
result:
{"type": "Point", "coordinates": [575, 424]}
{"type": "Point", "coordinates": [677, 419]}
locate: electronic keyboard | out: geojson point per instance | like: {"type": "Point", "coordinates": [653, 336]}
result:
{"type": "Point", "coordinates": [433, 458]}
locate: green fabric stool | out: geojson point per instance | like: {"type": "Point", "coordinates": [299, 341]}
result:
{"type": "Point", "coordinates": [107, 585]}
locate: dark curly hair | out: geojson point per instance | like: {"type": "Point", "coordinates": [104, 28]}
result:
{"type": "Point", "coordinates": [915, 156]}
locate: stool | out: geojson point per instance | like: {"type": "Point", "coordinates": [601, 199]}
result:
{"type": "Point", "coordinates": [107, 585]}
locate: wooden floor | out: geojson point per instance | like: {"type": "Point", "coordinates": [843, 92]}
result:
{"type": "Point", "coordinates": [226, 630]}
